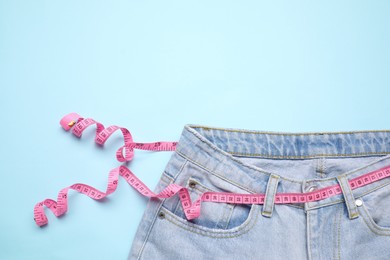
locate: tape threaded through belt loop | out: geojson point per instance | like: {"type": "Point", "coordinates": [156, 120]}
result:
{"type": "Point", "coordinates": [348, 196]}
{"type": "Point", "coordinates": [191, 209]}
{"type": "Point", "coordinates": [270, 194]}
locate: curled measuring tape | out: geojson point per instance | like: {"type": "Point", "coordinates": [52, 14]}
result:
{"type": "Point", "coordinates": [79, 124]}
{"type": "Point", "coordinates": [191, 209]}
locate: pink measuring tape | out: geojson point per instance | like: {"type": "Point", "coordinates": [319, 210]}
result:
{"type": "Point", "coordinates": [191, 209]}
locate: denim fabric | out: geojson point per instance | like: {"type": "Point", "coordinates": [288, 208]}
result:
{"type": "Point", "coordinates": [247, 161]}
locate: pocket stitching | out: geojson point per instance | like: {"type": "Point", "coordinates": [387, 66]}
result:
{"type": "Point", "coordinates": [172, 180]}
{"type": "Point", "coordinates": [196, 228]}
{"type": "Point", "coordinates": [217, 175]}
{"type": "Point", "coordinates": [199, 191]}
{"type": "Point", "coordinates": [247, 225]}
{"type": "Point", "coordinates": [371, 224]}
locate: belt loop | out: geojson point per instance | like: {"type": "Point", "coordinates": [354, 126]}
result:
{"type": "Point", "coordinates": [269, 198]}
{"type": "Point", "coordinates": [348, 196]}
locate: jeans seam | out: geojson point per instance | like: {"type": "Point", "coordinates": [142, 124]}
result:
{"type": "Point", "coordinates": [229, 207]}
{"type": "Point", "coordinates": [309, 236]}
{"type": "Point", "coordinates": [226, 216]}
{"type": "Point", "coordinates": [339, 233]}
{"type": "Point", "coordinates": [167, 177]}
{"type": "Point", "coordinates": [332, 202]}
{"type": "Point", "coordinates": [335, 235]}
{"type": "Point", "coordinates": [150, 230]}
{"type": "Point", "coordinates": [159, 207]}
{"type": "Point", "coordinates": [201, 190]}
{"type": "Point", "coordinates": [346, 200]}
{"type": "Point", "coordinates": [181, 168]}
{"type": "Point", "coordinates": [153, 221]}
{"type": "Point", "coordinates": [229, 217]}
{"type": "Point", "coordinates": [216, 234]}
{"type": "Point", "coordinates": [285, 134]}
{"type": "Point", "coordinates": [340, 201]}
{"type": "Point", "coordinates": [219, 176]}
{"type": "Point", "coordinates": [273, 194]}
{"type": "Point", "coordinates": [347, 174]}
{"type": "Point", "coordinates": [238, 161]}
{"type": "Point", "coordinates": [230, 181]}
{"type": "Point", "coordinates": [281, 177]}
{"type": "Point", "coordinates": [375, 228]}
{"type": "Point", "coordinates": [304, 156]}
{"type": "Point", "coordinates": [324, 167]}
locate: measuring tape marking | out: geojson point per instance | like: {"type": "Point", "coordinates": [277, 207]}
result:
{"type": "Point", "coordinates": [191, 209]}
{"type": "Point", "coordinates": [78, 124]}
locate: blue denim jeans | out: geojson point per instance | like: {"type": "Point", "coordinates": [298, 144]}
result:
{"type": "Point", "coordinates": [352, 225]}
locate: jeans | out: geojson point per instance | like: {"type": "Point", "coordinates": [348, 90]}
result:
{"type": "Point", "coordinates": [352, 225]}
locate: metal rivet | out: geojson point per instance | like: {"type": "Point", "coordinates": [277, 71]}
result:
{"type": "Point", "coordinates": [161, 215]}
{"type": "Point", "coordinates": [312, 188]}
{"type": "Point", "coordinates": [192, 184]}
{"type": "Point", "coordinates": [358, 202]}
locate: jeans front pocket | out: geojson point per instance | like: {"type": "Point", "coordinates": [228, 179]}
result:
{"type": "Point", "coordinates": [375, 210]}
{"type": "Point", "coordinates": [217, 216]}
{"type": "Point", "coordinates": [216, 219]}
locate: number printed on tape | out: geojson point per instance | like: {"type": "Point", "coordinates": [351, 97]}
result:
{"type": "Point", "coordinates": [192, 210]}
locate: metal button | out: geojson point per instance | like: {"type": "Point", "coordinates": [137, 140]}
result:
{"type": "Point", "coordinates": [312, 188]}
{"type": "Point", "coordinates": [358, 202]}
{"type": "Point", "coordinates": [161, 215]}
{"type": "Point", "coordinates": [192, 184]}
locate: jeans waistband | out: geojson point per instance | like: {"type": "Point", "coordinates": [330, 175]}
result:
{"type": "Point", "coordinates": [218, 151]}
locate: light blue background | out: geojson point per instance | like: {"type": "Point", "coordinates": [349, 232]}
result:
{"type": "Point", "coordinates": [153, 66]}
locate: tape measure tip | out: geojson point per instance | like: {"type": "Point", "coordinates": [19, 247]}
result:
{"type": "Point", "coordinates": [71, 123]}
{"type": "Point", "coordinates": [69, 120]}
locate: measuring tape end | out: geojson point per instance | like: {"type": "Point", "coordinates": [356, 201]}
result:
{"type": "Point", "coordinates": [69, 120]}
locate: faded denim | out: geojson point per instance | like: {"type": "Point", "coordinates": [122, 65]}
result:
{"type": "Point", "coordinates": [247, 161]}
